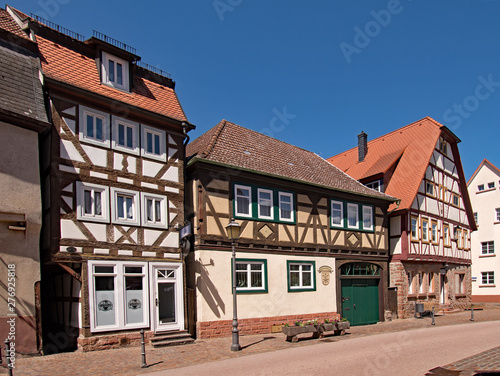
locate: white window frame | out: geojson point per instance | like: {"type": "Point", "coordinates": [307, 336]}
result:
{"type": "Point", "coordinates": [119, 295]}
{"type": "Point", "coordinates": [249, 272]}
{"type": "Point", "coordinates": [460, 283]}
{"type": "Point", "coordinates": [497, 212]}
{"type": "Point", "coordinates": [290, 195]}
{"type": "Point", "coordinates": [271, 209]}
{"type": "Point", "coordinates": [421, 279]}
{"type": "Point", "coordinates": [446, 235]}
{"type": "Point", "coordinates": [301, 273]}
{"type": "Point", "coordinates": [480, 187]}
{"type": "Point", "coordinates": [370, 214]}
{"type": "Point", "coordinates": [409, 277]}
{"type": "Point", "coordinates": [106, 58]}
{"type": "Point", "coordinates": [83, 112]}
{"type": "Point", "coordinates": [80, 202]}
{"type": "Point", "coordinates": [163, 208]}
{"type": "Point", "coordinates": [460, 239]}
{"type": "Point", "coordinates": [434, 230]}
{"type": "Point", "coordinates": [476, 218]}
{"type": "Point", "coordinates": [430, 282]}
{"type": "Point", "coordinates": [490, 278]}
{"type": "Point", "coordinates": [135, 135]}
{"type": "Point", "coordinates": [425, 232]}
{"type": "Point", "coordinates": [135, 221]}
{"type": "Point", "coordinates": [375, 185]}
{"type": "Point", "coordinates": [488, 248]}
{"type": "Point", "coordinates": [414, 235]}
{"type": "Point", "coordinates": [430, 189]}
{"type": "Point", "coordinates": [236, 208]}
{"type": "Point", "coordinates": [491, 185]}
{"type": "Point", "coordinates": [342, 219]}
{"type": "Point", "coordinates": [453, 196]}
{"type": "Point", "coordinates": [349, 207]}
{"type": "Point", "coordinates": [162, 156]}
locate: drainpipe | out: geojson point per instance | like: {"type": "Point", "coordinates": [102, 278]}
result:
{"type": "Point", "coordinates": [184, 144]}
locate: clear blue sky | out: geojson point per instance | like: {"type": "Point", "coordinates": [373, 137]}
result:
{"type": "Point", "coordinates": [315, 74]}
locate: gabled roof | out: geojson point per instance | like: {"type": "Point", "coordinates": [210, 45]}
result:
{"type": "Point", "coordinates": [409, 149]}
{"type": "Point", "coordinates": [487, 163]}
{"type": "Point", "coordinates": [242, 148]}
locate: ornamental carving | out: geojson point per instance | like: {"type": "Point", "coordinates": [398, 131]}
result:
{"type": "Point", "coordinates": [325, 274]}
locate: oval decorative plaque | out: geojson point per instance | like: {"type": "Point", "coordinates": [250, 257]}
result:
{"type": "Point", "coordinates": [325, 274]}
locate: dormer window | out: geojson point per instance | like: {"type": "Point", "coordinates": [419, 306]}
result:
{"type": "Point", "coordinates": [376, 185]}
{"type": "Point", "coordinates": [115, 72]}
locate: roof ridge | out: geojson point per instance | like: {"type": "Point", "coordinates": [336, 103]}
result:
{"type": "Point", "coordinates": [391, 133]}
{"type": "Point", "coordinates": [211, 145]}
{"type": "Point", "coordinates": [272, 138]}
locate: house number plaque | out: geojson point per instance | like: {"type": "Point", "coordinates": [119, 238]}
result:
{"type": "Point", "coordinates": [325, 274]}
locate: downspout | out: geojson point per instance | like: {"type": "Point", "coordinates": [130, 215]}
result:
{"type": "Point", "coordinates": [184, 177]}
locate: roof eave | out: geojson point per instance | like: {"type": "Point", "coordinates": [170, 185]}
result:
{"type": "Point", "coordinates": [195, 159]}
{"type": "Point", "coordinates": [68, 89]}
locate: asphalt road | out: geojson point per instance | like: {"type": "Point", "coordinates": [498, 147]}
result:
{"type": "Point", "coordinates": [408, 353]}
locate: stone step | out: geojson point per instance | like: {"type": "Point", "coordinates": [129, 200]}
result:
{"type": "Point", "coordinates": [174, 338]}
{"type": "Point", "coordinates": [176, 342]}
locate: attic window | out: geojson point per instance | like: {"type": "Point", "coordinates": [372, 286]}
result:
{"type": "Point", "coordinates": [115, 72]}
{"type": "Point", "coordinates": [443, 146]}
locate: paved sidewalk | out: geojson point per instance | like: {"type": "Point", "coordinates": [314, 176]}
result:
{"type": "Point", "coordinates": [485, 362]}
{"type": "Point", "coordinates": [127, 361]}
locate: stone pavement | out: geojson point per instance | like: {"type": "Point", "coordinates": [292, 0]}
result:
{"type": "Point", "coordinates": [483, 363]}
{"type": "Point", "coordinates": [127, 361]}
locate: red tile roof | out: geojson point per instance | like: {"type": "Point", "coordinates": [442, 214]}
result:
{"type": "Point", "coordinates": [411, 147]}
{"type": "Point", "coordinates": [7, 23]}
{"type": "Point", "coordinates": [71, 67]}
{"type": "Point", "coordinates": [237, 146]}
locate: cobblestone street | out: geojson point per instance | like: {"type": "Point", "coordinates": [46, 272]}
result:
{"type": "Point", "coordinates": [127, 361]}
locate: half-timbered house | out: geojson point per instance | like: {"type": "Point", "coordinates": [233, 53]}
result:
{"type": "Point", "coordinates": [23, 117]}
{"type": "Point", "coordinates": [430, 228]}
{"type": "Point", "coordinates": [313, 245]}
{"type": "Point", "coordinates": [113, 194]}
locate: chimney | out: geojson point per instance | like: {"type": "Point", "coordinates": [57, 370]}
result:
{"type": "Point", "coordinates": [362, 146]}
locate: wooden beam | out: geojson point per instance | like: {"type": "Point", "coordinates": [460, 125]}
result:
{"type": "Point", "coordinates": [74, 274]}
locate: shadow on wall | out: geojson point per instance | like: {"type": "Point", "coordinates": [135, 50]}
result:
{"type": "Point", "coordinates": [208, 290]}
{"type": "Point", "coordinates": [20, 306]}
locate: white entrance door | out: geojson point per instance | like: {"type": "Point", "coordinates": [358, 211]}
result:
{"type": "Point", "coordinates": [167, 303]}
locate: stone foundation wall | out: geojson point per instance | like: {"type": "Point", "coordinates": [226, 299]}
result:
{"type": "Point", "coordinates": [112, 341]}
{"type": "Point", "coordinates": [261, 325]}
{"type": "Point", "coordinates": [406, 302]}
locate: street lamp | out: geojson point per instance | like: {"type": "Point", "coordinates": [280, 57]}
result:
{"type": "Point", "coordinates": [233, 233]}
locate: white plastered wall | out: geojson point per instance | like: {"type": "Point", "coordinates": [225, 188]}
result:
{"type": "Point", "coordinates": [214, 288]}
{"type": "Point", "coordinates": [485, 204]}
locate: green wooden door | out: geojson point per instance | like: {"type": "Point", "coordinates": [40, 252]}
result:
{"type": "Point", "coordinates": [360, 301]}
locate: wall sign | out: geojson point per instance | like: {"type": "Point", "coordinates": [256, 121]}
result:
{"type": "Point", "coordinates": [134, 304]}
{"type": "Point", "coordinates": [105, 305]}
